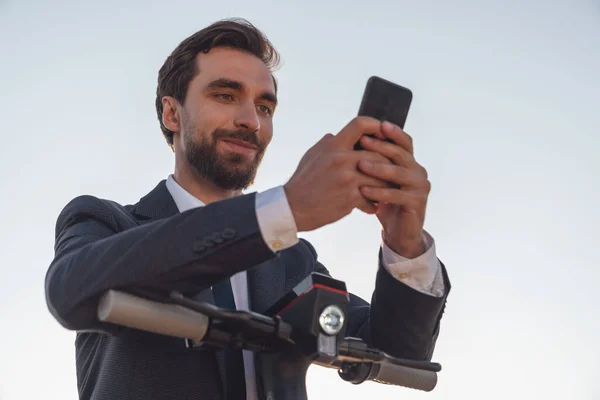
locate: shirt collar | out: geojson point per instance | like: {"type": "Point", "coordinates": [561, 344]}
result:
{"type": "Point", "coordinates": [183, 199]}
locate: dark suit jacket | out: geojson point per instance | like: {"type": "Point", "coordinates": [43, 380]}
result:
{"type": "Point", "coordinates": [102, 245]}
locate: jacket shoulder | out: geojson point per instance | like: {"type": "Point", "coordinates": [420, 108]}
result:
{"type": "Point", "coordinates": [88, 207]}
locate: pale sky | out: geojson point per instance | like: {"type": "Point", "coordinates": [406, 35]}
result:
{"type": "Point", "coordinates": [505, 119]}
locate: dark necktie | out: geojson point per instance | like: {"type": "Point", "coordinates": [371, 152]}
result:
{"type": "Point", "coordinates": [235, 383]}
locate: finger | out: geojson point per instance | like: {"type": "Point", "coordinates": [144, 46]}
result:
{"type": "Point", "coordinates": [368, 207]}
{"type": "Point", "coordinates": [394, 174]}
{"type": "Point", "coordinates": [398, 136]}
{"type": "Point", "coordinates": [392, 151]}
{"type": "Point", "coordinates": [318, 147]}
{"type": "Point", "coordinates": [368, 155]}
{"type": "Point", "coordinates": [366, 180]}
{"type": "Point", "coordinates": [355, 129]}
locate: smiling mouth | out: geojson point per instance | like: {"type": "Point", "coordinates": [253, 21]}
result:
{"type": "Point", "coordinates": [241, 143]}
{"type": "Point", "coordinates": [240, 146]}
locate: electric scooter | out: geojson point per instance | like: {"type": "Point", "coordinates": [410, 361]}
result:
{"type": "Point", "coordinates": [306, 326]}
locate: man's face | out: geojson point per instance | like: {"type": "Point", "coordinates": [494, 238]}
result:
{"type": "Point", "coordinates": [226, 121]}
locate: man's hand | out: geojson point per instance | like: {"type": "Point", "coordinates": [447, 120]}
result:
{"type": "Point", "coordinates": [326, 184]}
{"type": "Point", "coordinates": [402, 207]}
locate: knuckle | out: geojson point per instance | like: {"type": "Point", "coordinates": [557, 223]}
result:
{"type": "Point", "coordinates": [346, 177]}
{"type": "Point", "coordinates": [361, 122]}
{"type": "Point", "coordinates": [427, 186]}
{"type": "Point", "coordinates": [378, 158]}
{"type": "Point", "coordinates": [385, 197]}
{"type": "Point", "coordinates": [338, 159]}
{"type": "Point", "coordinates": [326, 140]}
{"type": "Point", "coordinates": [357, 124]}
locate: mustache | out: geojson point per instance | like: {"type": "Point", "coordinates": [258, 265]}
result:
{"type": "Point", "coordinates": [245, 135]}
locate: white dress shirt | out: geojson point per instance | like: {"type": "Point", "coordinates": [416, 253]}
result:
{"type": "Point", "coordinates": [278, 228]}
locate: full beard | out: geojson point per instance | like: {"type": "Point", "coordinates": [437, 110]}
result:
{"type": "Point", "coordinates": [230, 171]}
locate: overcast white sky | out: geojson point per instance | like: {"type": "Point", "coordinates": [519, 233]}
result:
{"type": "Point", "coordinates": [505, 118]}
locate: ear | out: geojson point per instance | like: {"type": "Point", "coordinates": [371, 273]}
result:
{"type": "Point", "coordinates": [170, 114]}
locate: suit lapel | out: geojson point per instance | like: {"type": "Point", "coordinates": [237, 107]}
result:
{"type": "Point", "coordinates": [157, 204]}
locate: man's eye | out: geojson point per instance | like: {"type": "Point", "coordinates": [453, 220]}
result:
{"type": "Point", "coordinates": [265, 109]}
{"type": "Point", "coordinates": [225, 96]}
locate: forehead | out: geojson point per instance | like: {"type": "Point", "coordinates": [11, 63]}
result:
{"type": "Point", "coordinates": [235, 65]}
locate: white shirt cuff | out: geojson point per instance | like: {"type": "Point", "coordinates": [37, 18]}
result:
{"type": "Point", "coordinates": [275, 219]}
{"type": "Point", "coordinates": [423, 273]}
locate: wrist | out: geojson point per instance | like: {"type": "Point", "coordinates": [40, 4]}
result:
{"type": "Point", "coordinates": [294, 207]}
{"type": "Point", "coordinates": [410, 249]}
{"type": "Point", "coordinates": [275, 219]}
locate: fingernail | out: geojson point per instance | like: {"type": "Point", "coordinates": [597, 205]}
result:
{"type": "Point", "coordinates": [388, 126]}
{"type": "Point", "coordinates": [367, 164]}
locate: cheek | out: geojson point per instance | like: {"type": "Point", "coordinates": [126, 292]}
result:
{"type": "Point", "coordinates": [208, 115]}
{"type": "Point", "coordinates": [267, 131]}
{"type": "Point", "coordinates": [200, 128]}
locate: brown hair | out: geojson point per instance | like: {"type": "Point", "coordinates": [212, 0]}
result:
{"type": "Point", "coordinates": [180, 67]}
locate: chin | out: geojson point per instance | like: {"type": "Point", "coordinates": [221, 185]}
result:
{"type": "Point", "coordinates": [238, 162]}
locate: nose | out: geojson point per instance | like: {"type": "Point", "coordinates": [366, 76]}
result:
{"type": "Point", "coordinates": [247, 118]}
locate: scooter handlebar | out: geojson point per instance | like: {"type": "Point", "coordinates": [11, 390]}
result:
{"type": "Point", "coordinates": [125, 309]}
{"type": "Point", "coordinates": [175, 320]}
{"type": "Point", "coordinates": [400, 375]}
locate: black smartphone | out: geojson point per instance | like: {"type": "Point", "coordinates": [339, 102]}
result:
{"type": "Point", "coordinates": [385, 101]}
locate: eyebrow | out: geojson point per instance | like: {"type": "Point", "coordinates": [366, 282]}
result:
{"type": "Point", "coordinates": [238, 86]}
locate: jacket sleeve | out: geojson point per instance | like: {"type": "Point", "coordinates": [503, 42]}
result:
{"type": "Point", "coordinates": [400, 320]}
{"type": "Point", "coordinates": [405, 322]}
{"type": "Point", "coordinates": [187, 252]}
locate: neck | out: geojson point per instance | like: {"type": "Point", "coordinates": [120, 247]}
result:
{"type": "Point", "coordinates": [202, 189]}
